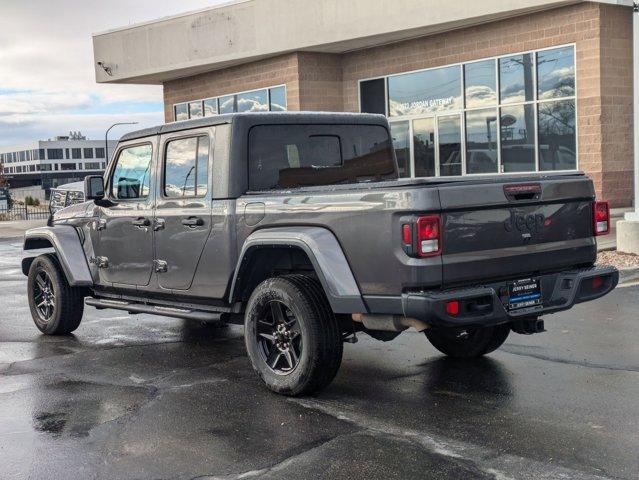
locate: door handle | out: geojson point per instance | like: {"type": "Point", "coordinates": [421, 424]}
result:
{"type": "Point", "coordinates": [141, 222]}
{"type": "Point", "coordinates": [192, 222]}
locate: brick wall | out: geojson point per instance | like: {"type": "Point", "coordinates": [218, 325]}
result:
{"type": "Point", "coordinates": [264, 73]}
{"type": "Point", "coordinates": [616, 104]}
{"type": "Point", "coordinates": [320, 82]}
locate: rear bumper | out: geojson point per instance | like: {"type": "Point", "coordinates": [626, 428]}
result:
{"type": "Point", "coordinates": [488, 305]}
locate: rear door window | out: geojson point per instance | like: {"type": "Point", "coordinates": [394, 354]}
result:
{"type": "Point", "coordinates": [292, 156]}
{"type": "Point", "coordinates": [186, 167]}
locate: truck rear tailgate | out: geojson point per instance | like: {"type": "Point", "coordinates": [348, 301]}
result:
{"type": "Point", "coordinates": [502, 229]}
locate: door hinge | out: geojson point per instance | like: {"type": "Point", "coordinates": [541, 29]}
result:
{"type": "Point", "coordinates": [100, 224]}
{"type": "Point", "coordinates": [161, 266]}
{"type": "Point", "coordinates": [100, 262]}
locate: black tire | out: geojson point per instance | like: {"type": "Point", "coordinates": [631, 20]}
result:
{"type": "Point", "coordinates": [305, 308]}
{"type": "Point", "coordinates": [467, 342]}
{"type": "Point", "coordinates": [64, 304]}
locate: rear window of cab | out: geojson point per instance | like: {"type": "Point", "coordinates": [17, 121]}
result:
{"type": "Point", "coordinates": [293, 156]}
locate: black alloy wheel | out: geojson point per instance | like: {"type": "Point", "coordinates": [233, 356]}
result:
{"type": "Point", "coordinates": [279, 338]}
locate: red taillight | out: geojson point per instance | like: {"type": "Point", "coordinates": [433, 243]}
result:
{"type": "Point", "coordinates": [452, 307]}
{"type": "Point", "coordinates": [601, 218]}
{"type": "Point", "coordinates": [429, 242]}
{"type": "Point", "coordinates": [597, 283]}
{"type": "Point", "coordinates": [407, 234]}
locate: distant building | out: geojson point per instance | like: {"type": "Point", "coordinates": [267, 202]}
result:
{"type": "Point", "coordinates": [53, 162]}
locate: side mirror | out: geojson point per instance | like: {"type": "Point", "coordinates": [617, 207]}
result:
{"type": "Point", "coordinates": [93, 187]}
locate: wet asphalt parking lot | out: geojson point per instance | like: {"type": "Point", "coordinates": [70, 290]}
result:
{"type": "Point", "coordinates": [151, 397]}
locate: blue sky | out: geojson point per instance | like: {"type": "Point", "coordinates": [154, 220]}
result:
{"type": "Point", "coordinates": [47, 83]}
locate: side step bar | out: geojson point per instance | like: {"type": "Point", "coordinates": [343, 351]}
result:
{"type": "Point", "coordinates": [133, 307]}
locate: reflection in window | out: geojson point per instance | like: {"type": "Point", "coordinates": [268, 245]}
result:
{"type": "Point", "coordinates": [518, 138]}
{"type": "Point", "coordinates": [429, 91]}
{"type": "Point", "coordinates": [227, 104]}
{"type": "Point", "coordinates": [481, 141]}
{"type": "Point", "coordinates": [210, 107]}
{"type": "Point", "coordinates": [278, 99]}
{"type": "Point", "coordinates": [372, 95]}
{"type": "Point", "coordinates": [450, 156]}
{"type": "Point", "coordinates": [255, 101]}
{"type": "Point", "coordinates": [195, 110]}
{"type": "Point", "coordinates": [186, 167]}
{"type": "Point", "coordinates": [481, 84]}
{"type": "Point", "coordinates": [557, 142]}
{"type": "Point", "coordinates": [400, 133]}
{"type": "Point", "coordinates": [516, 78]}
{"type": "Point", "coordinates": [424, 145]}
{"type": "Point", "coordinates": [181, 112]}
{"type": "Point", "coordinates": [132, 173]}
{"type": "Point", "coordinates": [556, 73]}
{"type": "Point", "coordinates": [291, 156]}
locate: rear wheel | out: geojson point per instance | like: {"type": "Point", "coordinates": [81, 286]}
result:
{"type": "Point", "coordinates": [292, 337]}
{"type": "Point", "coordinates": [56, 307]}
{"type": "Point", "coordinates": [467, 342]}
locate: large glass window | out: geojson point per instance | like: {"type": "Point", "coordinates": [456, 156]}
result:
{"type": "Point", "coordinates": [481, 141]}
{"type": "Point", "coordinates": [131, 177]}
{"type": "Point", "coordinates": [480, 79]}
{"type": "Point", "coordinates": [54, 154]}
{"type": "Point", "coordinates": [210, 107]}
{"type": "Point", "coordinates": [428, 91]}
{"type": "Point", "coordinates": [557, 146]}
{"type": "Point", "coordinates": [372, 96]}
{"type": "Point", "coordinates": [181, 111]}
{"type": "Point", "coordinates": [186, 167]}
{"type": "Point", "coordinates": [76, 153]}
{"type": "Point", "coordinates": [291, 156]}
{"type": "Point", "coordinates": [256, 101]}
{"type": "Point", "coordinates": [260, 100]}
{"type": "Point", "coordinates": [278, 99]}
{"type": "Point", "coordinates": [195, 109]}
{"type": "Point", "coordinates": [517, 115]}
{"type": "Point", "coordinates": [400, 131]}
{"type": "Point", "coordinates": [227, 104]}
{"type": "Point", "coordinates": [424, 147]}
{"type": "Point", "coordinates": [88, 153]}
{"type": "Point", "coordinates": [516, 78]}
{"type": "Point", "coordinates": [99, 152]}
{"type": "Point", "coordinates": [556, 73]}
{"type": "Point", "coordinates": [450, 145]}
{"type": "Point", "coordinates": [518, 138]}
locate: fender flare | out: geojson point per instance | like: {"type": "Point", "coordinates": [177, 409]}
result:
{"type": "Point", "coordinates": [68, 249]}
{"type": "Point", "coordinates": [324, 252]}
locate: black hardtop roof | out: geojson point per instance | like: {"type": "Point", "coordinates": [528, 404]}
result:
{"type": "Point", "coordinates": [249, 119]}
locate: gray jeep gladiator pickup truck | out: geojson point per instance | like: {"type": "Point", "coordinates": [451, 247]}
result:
{"type": "Point", "coordinates": [297, 226]}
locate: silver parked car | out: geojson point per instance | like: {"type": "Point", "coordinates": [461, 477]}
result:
{"type": "Point", "coordinates": [65, 195]}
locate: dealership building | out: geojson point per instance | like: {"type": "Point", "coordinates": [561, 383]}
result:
{"type": "Point", "coordinates": [469, 88]}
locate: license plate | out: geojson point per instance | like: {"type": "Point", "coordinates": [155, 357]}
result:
{"type": "Point", "coordinates": [524, 293]}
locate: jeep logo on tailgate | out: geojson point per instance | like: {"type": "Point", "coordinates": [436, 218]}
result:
{"type": "Point", "coordinates": [524, 223]}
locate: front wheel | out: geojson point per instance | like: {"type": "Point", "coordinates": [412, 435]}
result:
{"type": "Point", "coordinates": [56, 307]}
{"type": "Point", "coordinates": [292, 337]}
{"type": "Point", "coordinates": [468, 342]}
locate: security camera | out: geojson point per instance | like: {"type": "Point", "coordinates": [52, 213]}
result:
{"type": "Point", "coordinates": [105, 68]}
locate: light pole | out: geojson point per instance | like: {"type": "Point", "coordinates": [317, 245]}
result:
{"type": "Point", "coordinates": [106, 138]}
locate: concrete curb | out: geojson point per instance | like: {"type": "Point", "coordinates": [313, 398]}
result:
{"type": "Point", "coordinates": [627, 275]}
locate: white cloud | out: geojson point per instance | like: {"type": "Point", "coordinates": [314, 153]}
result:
{"type": "Point", "coordinates": [46, 62]}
